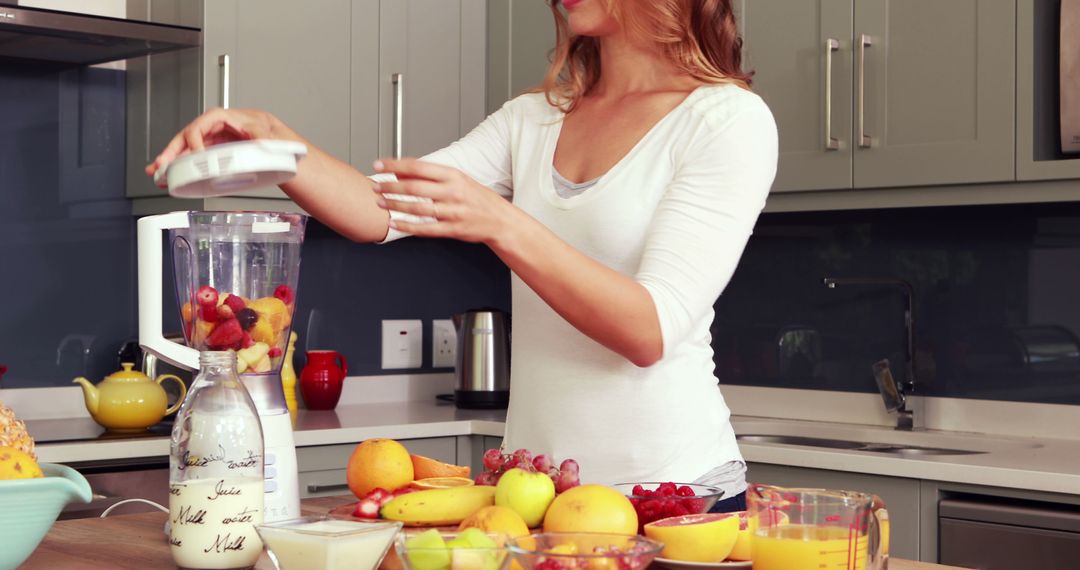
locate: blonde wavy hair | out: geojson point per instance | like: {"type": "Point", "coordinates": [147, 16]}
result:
{"type": "Point", "coordinates": [699, 37]}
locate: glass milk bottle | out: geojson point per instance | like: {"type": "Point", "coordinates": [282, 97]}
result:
{"type": "Point", "coordinates": [216, 471]}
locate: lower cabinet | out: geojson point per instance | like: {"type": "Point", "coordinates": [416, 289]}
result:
{"type": "Point", "coordinates": [322, 467]}
{"type": "Point", "coordinates": [901, 497]}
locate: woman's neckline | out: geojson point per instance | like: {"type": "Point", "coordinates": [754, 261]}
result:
{"type": "Point", "coordinates": [598, 182]}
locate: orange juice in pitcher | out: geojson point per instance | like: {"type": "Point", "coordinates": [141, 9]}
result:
{"type": "Point", "coordinates": [814, 529]}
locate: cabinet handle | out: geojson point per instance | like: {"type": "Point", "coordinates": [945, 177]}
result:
{"type": "Point", "coordinates": [223, 66]}
{"type": "Point", "coordinates": [399, 111]}
{"type": "Point", "coordinates": [325, 488]}
{"type": "Point", "coordinates": [831, 142]}
{"type": "Point", "coordinates": [864, 42]}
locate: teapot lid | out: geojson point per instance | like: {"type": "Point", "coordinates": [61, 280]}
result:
{"type": "Point", "coordinates": [127, 373]}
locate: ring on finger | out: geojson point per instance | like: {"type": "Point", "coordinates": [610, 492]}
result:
{"type": "Point", "coordinates": [435, 209]}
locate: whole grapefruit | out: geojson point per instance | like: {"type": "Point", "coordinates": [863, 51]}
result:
{"type": "Point", "coordinates": [382, 463]}
{"type": "Point", "coordinates": [591, 508]}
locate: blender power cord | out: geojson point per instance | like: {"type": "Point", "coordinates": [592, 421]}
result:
{"type": "Point", "coordinates": [118, 503]}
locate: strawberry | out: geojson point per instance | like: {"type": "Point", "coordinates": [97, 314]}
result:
{"type": "Point", "coordinates": [285, 293]}
{"type": "Point", "coordinates": [274, 352]}
{"type": "Point", "coordinates": [208, 313]}
{"type": "Point", "coordinates": [235, 303]}
{"type": "Point", "coordinates": [207, 296]}
{"type": "Point", "coordinates": [366, 509]}
{"type": "Point", "coordinates": [245, 340]}
{"type": "Point", "coordinates": [226, 335]}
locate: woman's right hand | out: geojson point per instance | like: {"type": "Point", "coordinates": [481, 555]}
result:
{"type": "Point", "coordinates": [218, 126]}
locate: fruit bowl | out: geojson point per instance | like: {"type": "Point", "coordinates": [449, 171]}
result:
{"type": "Point", "coordinates": [326, 543]}
{"type": "Point", "coordinates": [583, 551]}
{"type": "Point", "coordinates": [29, 507]}
{"type": "Point", "coordinates": [655, 501]}
{"type": "Point", "coordinates": [470, 549]}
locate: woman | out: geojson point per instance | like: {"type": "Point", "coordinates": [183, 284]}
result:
{"type": "Point", "coordinates": [634, 179]}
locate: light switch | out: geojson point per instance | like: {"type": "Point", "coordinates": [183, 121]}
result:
{"type": "Point", "coordinates": [401, 344]}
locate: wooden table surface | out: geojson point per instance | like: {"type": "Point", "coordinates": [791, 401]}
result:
{"type": "Point", "coordinates": [137, 542]}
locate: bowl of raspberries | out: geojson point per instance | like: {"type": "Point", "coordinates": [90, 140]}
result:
{"type": "Point", "coordinates": [655, 501]}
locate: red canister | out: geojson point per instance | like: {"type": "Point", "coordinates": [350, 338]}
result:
{"type": "Point", "coordinates": [322, 378]}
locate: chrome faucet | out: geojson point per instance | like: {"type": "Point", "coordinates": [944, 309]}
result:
{"type": "Point", "coordinates": [894, 394]}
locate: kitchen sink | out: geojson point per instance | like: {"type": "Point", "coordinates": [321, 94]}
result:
{"type": "Point", "coordinates": [854, 445]}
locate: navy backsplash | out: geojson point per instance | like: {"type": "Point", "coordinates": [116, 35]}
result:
{"type": "Point", "coordinates": [997, 311]}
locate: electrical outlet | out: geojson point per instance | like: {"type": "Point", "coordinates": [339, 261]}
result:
{"type": "Point", "coordinates": [443, 343]}
{"type": "Point", "coordinates": [401, 344]}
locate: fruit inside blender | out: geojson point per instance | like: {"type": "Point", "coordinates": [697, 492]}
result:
{"type": "Point", "coordinates": [257, 329]}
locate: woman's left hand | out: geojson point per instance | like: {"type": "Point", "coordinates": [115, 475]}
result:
{"type": "Point", "coordinates": [462, 208]}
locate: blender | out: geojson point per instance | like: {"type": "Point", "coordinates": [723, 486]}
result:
{"type": "Point", "coordinates": [235, 277]}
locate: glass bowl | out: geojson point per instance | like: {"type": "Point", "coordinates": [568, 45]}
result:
{"type": "Point", "coordinates": [584, 551]}
{"type": "Point", "coordinates": [445, 555]}
{"type": "Point", "coordinates": [321, 542]}
{"type": "Point", "coordinates": [671, 500]}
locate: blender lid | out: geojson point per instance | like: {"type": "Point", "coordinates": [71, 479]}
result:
{"type": "Point", "coordinates": [231, 168]}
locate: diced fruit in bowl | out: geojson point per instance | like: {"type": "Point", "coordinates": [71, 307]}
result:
{"type": "Point", "coordinates": [583, 551]}
{"type": "Point", "coordinates": [470, 549]}
{"type": "Point", "coordinates": [706, 537]}
{"type": "Point", "coordinates": [655, 501]}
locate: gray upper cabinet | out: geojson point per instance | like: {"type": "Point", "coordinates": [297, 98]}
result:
{"type": "Point", "coordinates": [293, 63]}
{"type": "Point", "coordinates": [886, 93]}
{"type": "Point", "coordinates": [939, 100]}
{"type": "Point", "coordinates": [431, 74]}
{"type": "Point", "coordinates": [327, 72]}
{"type": "Point", "coordinates": [520, 33]}
{"type": "Point", "coordinates": [801, 55]}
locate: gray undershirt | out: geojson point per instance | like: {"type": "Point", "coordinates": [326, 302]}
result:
{"type": "Point", "coordinates": [567, 189]}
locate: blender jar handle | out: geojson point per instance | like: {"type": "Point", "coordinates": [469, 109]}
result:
{"type": "Point", "coordinates": [150, 270]}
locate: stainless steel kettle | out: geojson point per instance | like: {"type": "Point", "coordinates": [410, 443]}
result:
{"type": "Point", "coordinates": [482, 369]}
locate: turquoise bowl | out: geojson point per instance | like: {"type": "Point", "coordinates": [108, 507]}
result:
{"type": "Point", "coordinates": [29, 507]}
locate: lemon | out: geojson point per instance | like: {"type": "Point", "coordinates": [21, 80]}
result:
{"type": "Point", "coordinates": [706, 537]}
{"type": "Point", "coordinates": [17, 464]}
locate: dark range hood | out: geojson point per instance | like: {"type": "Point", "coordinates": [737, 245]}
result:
{"type": "Point", "coordinates": [77, 39]}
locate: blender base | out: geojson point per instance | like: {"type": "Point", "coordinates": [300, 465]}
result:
{"type": "Point", "coordinates": [282, 480]}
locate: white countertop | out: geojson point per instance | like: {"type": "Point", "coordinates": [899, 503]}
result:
{"type": "Point", "coordinates": [1038, 464]}
{"type": "Point", "coordinates": [83, 440]}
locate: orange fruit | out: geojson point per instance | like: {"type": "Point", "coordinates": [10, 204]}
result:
{"type": "Point", "coordinates": [382, 463]}
{"type": "Point", "coordinates": [591, 508]}
{"type": "Point", "coordinates": [496, 520]}
{"type": "Point", "coordinates": [441, 482]}
{"type": "Point", "coordinates": [426, 467]}
{"type": "Point", "coordinates": [17, 464]}
{"type": "Point", "coordinates": [705, 537]}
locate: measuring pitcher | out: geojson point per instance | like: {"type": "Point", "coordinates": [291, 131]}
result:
{"type": "Point", "coordinates": [814, 529]}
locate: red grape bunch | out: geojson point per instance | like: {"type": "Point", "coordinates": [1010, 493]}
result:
{"type": "Point", "coordinates": [496, 463]}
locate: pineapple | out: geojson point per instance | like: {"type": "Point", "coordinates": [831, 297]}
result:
{"type": "Point", "coordinates": [13, 432]}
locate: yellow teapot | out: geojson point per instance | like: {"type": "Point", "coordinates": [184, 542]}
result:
{"type": "Point", "coordinates": [128, 400]}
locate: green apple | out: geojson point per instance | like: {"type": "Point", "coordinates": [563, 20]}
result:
{"type": "Point", "coordinates": [428, 551]}
{"type": "Point", "coordinates": [527, 493]}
